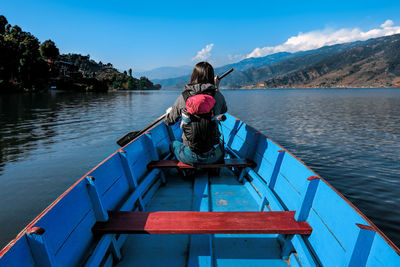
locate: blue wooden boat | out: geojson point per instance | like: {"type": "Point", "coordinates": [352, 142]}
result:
{"type": "Point", "coordinates": [263, 208]}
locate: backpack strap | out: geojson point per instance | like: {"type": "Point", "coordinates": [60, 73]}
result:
{"type": "Point", "coordinates": [210, 92]}
{"type": "Point", "coordinates": [186, 94]}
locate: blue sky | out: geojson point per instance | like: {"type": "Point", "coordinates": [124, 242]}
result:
{"type": "Point", "coordinates": [150, 34]}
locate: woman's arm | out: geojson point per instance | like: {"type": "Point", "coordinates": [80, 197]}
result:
{"type": "Point", "coordinates": [175, 113]}
{"type": "Point", "coordinates": [221, 107]}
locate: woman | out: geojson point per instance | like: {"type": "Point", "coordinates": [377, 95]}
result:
{"type": "Point", "coordinates": [199, 103]}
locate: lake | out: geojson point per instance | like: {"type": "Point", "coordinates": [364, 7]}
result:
{"type": "Point", "coordinates": [350, 137]}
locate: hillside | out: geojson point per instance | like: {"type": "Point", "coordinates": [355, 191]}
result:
{"type": "Point", "coordinates": [374, 63]}
{"type": "Point", "coordinates": [234, 78]}
{"type": "Point", "coordinates": [165, 72]}
{"type": "Point", "coordinates": [371, 63]}
{"type": "Point", "coordinates": [83, 67]}
{"type": "Point", "coordinates": [26, 64]}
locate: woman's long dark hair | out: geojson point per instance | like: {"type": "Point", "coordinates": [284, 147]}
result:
{"type": "Point", "coordinates": [203, 72]}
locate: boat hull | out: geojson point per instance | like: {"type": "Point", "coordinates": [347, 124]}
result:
{"type": "Point", "coordinates": [62, 234]}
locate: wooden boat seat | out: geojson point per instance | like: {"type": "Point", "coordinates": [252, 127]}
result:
{"type": "Point", "coordinates": [196, 222]}
{"type": "Point", "coordinates": [239, 163]}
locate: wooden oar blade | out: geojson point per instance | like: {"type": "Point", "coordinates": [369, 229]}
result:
{"type": "Point", "coordinates": [124, 140]}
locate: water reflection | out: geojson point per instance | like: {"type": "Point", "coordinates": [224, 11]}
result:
{"type": "Point", "coordinates": [33, 121]}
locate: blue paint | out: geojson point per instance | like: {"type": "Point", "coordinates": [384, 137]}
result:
{"type": "Point", "coordinates": [273, 201]}
{"type": "Point", "coordinates": [20, 254]}
{"type": "Point", "coordinates": [127, 170]}
{"type": "Point", "coordinates": [362, 248]}
{"type": "Point", "coordinates": [306, 203]}
{"type": "Point", "coordinates": [99, 211]}
{"type": "Point", "coordinates": [42, 254]}
{"type": "Point", "coordinates": [287, 247]}
{"type": "Point", "coordinates": [263, 204]}
{"type": "Point", "coordinates": [143, 187]}
{"type": "Point", "coordinates": [150, 144]}
{"type": "Point", "coordinates": [294, 260]}
{"type": "Point", "coordinates": [101, 249]}
{"type": "Point", "coordinates": [109, 261]}
{"type": "Point", "coordinates": [123, 182]}
{"type": "Point", "coordinates": [131, 178]}
{"type": "Point", "coordinates": [381, 254]}
{"type": "Point", "coordinates": [201, 248]}
{"type": "Point", "coordinates": [305, 255]}
{"type": "Point", "coordinates": [276, 170]}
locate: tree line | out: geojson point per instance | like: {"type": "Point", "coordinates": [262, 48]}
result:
{"type": "Point", "coordinates": [28, 65]}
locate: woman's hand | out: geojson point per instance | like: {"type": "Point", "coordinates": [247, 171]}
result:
{"type": "Point", "coordinates": [216, 81]}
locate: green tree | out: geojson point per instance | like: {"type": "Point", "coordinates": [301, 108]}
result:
{"type": "Point", "coordinates": [131, 83]}
{"type": "Point", "coordinates": [32, 69]}
{"type": "Point", "coordinates": [3, 23]}
{"type": "Point", "coordinates": [21, 66]}
{"type": "Point", "coordinates": [49, 50]}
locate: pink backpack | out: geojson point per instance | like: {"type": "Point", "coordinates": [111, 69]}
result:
{"type": "Point", "coordinates": [197, 121]}
{"type": "Point", "coordinates": [200, 104]}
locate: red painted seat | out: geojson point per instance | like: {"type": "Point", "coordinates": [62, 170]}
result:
{"type": "Point", "coordinates": [196, 222]}
{"type": "Point", "coordinates": [239, 163]}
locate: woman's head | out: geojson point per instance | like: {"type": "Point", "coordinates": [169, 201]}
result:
{"type": "Point", "coordinates": [203, 72]}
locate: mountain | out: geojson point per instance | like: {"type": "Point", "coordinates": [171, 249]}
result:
{"type": "Point", "coordinates": [371, 63]}
{"type": "Point", "coordinates": [255, 70]}
{"type": "Point", "coordinates": [165, 72]}
{"type": "Point", "coordinates": [252, 76]}
{"type": "Point", "coordinates": [179, 82]}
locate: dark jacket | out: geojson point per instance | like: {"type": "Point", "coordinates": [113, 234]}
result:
{"type": "Point", "coordinates": [180, 105]}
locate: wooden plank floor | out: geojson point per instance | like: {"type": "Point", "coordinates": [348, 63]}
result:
{"type": "Point", "coordinates": [223, 194]}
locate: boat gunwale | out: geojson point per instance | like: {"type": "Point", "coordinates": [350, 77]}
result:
{"type": "Point", "coordinates": [375, 228]}
{"type": "Point", "coordinates": [44, 212]}
{"type": "Point", "coordinates": [27, 228]}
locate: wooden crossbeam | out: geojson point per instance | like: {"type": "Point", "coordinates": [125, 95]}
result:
{"type": "Point", "coordinates": [239, 163]}
{"type": "Point", "coordinates": [196, 222]}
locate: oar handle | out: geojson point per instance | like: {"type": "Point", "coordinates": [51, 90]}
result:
{"type": "Point", "coordinates": [226, 73]}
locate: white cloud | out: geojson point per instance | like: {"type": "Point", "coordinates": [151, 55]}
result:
{"type": "Point", "coordinates": [388, 23]}
{"type": "Point", "coordinates": [204, 53]}
{"type": "Point", "coordinates": [316, 39]}
{"type": "Point", "coordinates": [235, 58]}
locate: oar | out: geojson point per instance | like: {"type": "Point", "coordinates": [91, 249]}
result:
{"type": "Point", "coordinates": [132, 135]}
{"type": "Point", "coordinates": [226, 73]}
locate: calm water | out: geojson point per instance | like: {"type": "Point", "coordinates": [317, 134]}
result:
{"type": "Point", "coordinates": [350, 137]}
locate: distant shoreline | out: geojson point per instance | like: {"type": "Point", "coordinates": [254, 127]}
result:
{"type": "Point", "coordinates": [284, 88]}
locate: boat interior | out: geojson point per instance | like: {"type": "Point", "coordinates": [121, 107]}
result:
{"type": "Point", "coordinates": [203, 192]}
{"type": "Point", "coordinates": [261, 207]}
